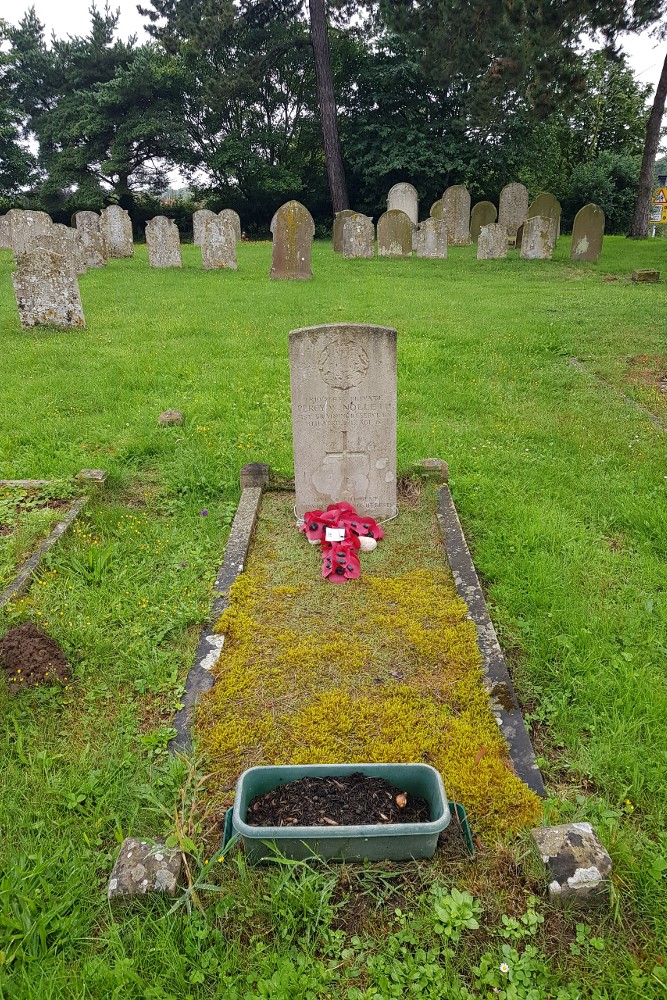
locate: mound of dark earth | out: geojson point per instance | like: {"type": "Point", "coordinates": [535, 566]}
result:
{"type": "Point", "coordinates": [29, 656]}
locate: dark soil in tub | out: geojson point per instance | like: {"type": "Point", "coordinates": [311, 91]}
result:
{"type": "Point", "coordinates": [30, 656]}
{"type": "Point", "coordinates": [343, 800]}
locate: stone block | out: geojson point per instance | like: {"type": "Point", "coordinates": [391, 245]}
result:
{"type": "Point", "coordinates": [170, 418]}
{"type": "Point", "coordinates": [645, 276]}
{"type": "Point", "coordinates": [254, 474]}
{"type": "Point", "coordinates": [96, 476]}
{"type": "Point", "coordinates": [579, 867]}
{"type": "Point", "coordinates": [434, 468]}
{"type": "Point", "coordinates": [143, 868]}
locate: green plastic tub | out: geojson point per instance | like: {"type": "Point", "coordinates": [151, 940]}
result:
{"type": "Point", "coordinates": [381, 842]}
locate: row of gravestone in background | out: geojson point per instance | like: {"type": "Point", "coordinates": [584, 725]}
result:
{"type": "Point", "coordinates": [49, 256]}
{"type": "Point", "coordinates": [463, 226]}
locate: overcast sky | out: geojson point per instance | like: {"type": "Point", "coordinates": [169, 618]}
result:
{"type": "Point", "coordinates": [70, 17]}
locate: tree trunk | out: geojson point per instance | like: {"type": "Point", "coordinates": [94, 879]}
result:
{"type": "Point", "coordinates": [639, 227]}
{"type": "Point", "coordinates": [325, 94]}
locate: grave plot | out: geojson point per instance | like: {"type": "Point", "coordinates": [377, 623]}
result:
{"type": "Point", "coordinates": [29, 513]}
{"type": "Point", "coordinates": [385, 668]}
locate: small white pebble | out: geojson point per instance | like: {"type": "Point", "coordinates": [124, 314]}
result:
{"type": "Point", "coordinates": [159, 857]}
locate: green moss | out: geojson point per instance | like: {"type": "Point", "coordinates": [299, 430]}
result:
{"type": "Point", "coordinates": [385, 668]}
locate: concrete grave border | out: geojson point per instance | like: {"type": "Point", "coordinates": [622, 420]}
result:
{"type": "Point", "coordinates": [503, 700]}
{"type": "Point", "coordinates": [502, 696]}
{"type": "Point", "coordinates": [628, 400]}
{"type": "Point", "coordinates": [23, 577]}
{"type": "Point", "coordinates": [254, 478]}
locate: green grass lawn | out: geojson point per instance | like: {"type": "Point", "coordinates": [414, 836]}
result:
{"type": "Point", "coordinates": [561, 488]}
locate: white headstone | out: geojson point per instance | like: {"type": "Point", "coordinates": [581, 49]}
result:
{"type": "Point", "coordinates": [492, 242]}
{"type": "Point", "coordinates": [234, 218]}
{"type": "Point", "coordinates": [403, 197]}
{"type": "Point", "coordinates": [513, 208]}
{"type": "Point", "coordinates": [343, 380]}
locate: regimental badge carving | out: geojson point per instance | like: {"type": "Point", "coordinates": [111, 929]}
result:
{"type": "Point", "coordinates": [343, 363]}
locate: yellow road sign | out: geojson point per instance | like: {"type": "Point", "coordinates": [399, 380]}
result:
{"type": "Point", "coordinates": [660, 197]}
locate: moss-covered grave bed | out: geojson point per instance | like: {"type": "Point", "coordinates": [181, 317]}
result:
{"type": "Point", "coordinates": [384, 669]}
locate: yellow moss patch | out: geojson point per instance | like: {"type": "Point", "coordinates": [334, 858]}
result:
{"type": "Point", "coordinates": [385, 668]}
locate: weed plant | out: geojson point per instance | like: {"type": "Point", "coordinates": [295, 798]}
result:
{"type": "Point", "coordinates": [561, 487]}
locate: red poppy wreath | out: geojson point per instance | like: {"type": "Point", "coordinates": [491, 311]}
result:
{"type": "Point", "coordinates": [342, 533]}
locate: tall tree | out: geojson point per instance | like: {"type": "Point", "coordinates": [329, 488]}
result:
{"type": "Point", "coordinates": [639, 227]}
{"type": "Point", "coordinates": [328, 111]}
{"type": "Point", "coordinates": [105, 112]}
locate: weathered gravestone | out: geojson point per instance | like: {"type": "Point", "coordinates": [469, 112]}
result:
{"type": "Point", "coordinates": [62, 240]}
{"type": "Point", "coordinates": [46, 287]}
{"type": "Point", "coordinates": [395, 234]}
{"type": "Point", "coordinates": [5, 233]}
{"type": "Point", "coordinates": [431, 239]}
{"type": "Point", "coordinates": [24, 225]}
{"type": "Point", "coordinates": [548, 206]}
{"type": "Point", "coordinates": [94, 249]}
{"type": "Point", "coordinates": [456, 214]}
{"type": "Point", "coordinates": [537, 241]}
{"type": "Point", "coordinates": [492, 242]}
{"type": "Point", "coordinates": [339, 223]}
{"type": "Point", "coordinates": [513, 208]}
{"type": "Point", "coordinates": [116, 228]}
{"type": "Point", "coordinates": [218, 245]}
{"type": "Point", "coordinates": [518, 239]}
{"type": "Point", "coordinates": [293, 231]}
{"type": "Point", "coordinates": [343, 380]}
{"type": "Point", "coordinates": [403, 197]}
{"type": "Point", "coordinates": [198, 219]}
{"type": "Point", "coordinates": [587, 233]}
{"type": "Point", "coordinates": [484, 213]}
{"type": "Point", "coordinates": [163, 242]}
{"type": "Point", "coordinates": [231, 216]}
{"type": "Point", "coordinates": [358, 236]}
{"type": "Point", "coordinates": [436, 210]}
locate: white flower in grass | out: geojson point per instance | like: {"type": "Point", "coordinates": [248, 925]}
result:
{"type": "Point", "coordinates": [504, 967]}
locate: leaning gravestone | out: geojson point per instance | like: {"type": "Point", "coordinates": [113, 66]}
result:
{"type": "Point", "coordinates": [436, 210]}
{"type": "Point", "coordinates": [513, 208]}
{"type": "Point", "coordinates": [431, 239]}
{"type": "Point", "coordinates": [218, 245]}
{"type": "Point", "coordinates": [484, 213]}
{"type": "Point", "coordinates": [163, 242]}
{"type": "Point", "coordinates": [116, 228]}
{"type": "Point", "coordinates": [537, 241]}
{"type": "Point", "coordinates": [395, 234]}
{"type": "Point", "coordinates": [492, 242]}
{"type": "Point", "coordinates": [339, 222]}
{"type": "Point", "coordinates": [358, 236]}
{"type": "Point", "coordinates": [94, 247]}
{"type": "Point", "coordinates": [198, 219]}
{"type": "Point", "coordinates": [5, 233]}
{"type": "Point", "coordinates": [456, 214]}
{"type": "Point", "coordinates": [293, 231]}
{"type": "Point", "coordinates": [548, 206]}
{"type": "Point", "coordinates": [403, 197]}
{"type": "Point", "coordinates": [61, 240]}
{"type": "Point", "coordinates": [46, 287]}
{"type": "Point", "coordinates": [587, 233]}
{"type": "Point", "coordinates": [343, 380]}
{"type": "Point", "coordinates": [231, 216]}
{"type": "Point", "coordinates": [24, 225]}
